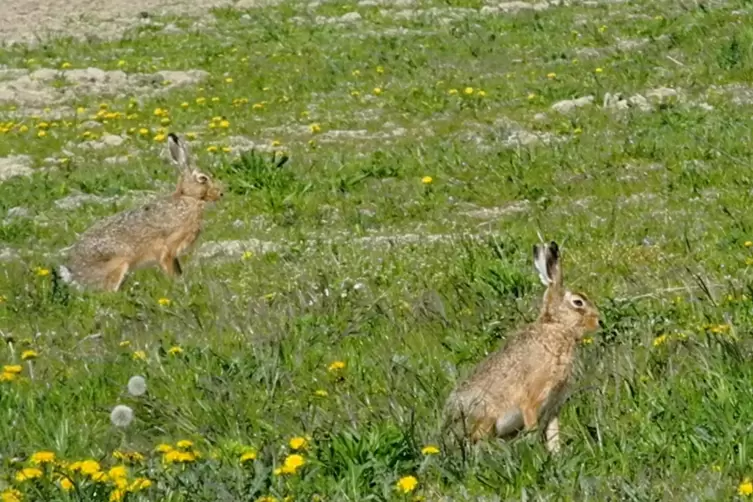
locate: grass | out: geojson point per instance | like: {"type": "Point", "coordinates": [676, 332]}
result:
{"type": "Point", "coordinates": [345, 254]}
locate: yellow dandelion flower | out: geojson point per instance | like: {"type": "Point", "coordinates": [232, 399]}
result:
{"type": "Point", "coordinates": [144, 131]}
{"type": "Point", "coordinates": [298, 443]}
{"type": "Point", "coordinates": [29, 354]}
{"type": "Point", "coordinates": [248, 456]}
{"type": "Point", "coordinates": [165, 121]}
{"type": "Point", "coordinates": [356, 73]}
{"type": "Point", "coordinates": [587, 340]}
{"type": "Point", "coordinates": [531, 96]}
{"type": "Point", "coordinates": [215, 100]}
{"type": "Point", "coordinates": [407, 484]}
{"type": "Point", "coordinates": [191, 135]}
{"type": "Point", "coordinates": [163, 448]}
{"type": "Point", "coordinates": [452, 92]}
{"type": "Point", "coordinates": [42, 272]}
{"type": "Point", "coordinates": [746, 488]}
{"type": "Point", "coordinates": [125, 343]}
{"type": "Point", "coordinates": [224, 124]}
{"type": "Point", "coordinates": [257, 106]}
{"type": "Point", "coordinates": [139, 484]}
{"type": "Point", "coordinates": [42, 457]}
{"type": "Point", "coordinates": [377, 91]}
{"type": "Point", "coordinates": [379, 69]}
{"type": "Point", "coordinates": [100, 477]}
{"type": "Point", "coordinates": [315, 128]}
{"type": "Point", "coordinates": [129, 456]}
{"type": "Point", "coordinates": [184, 443]}
{"type": "Point", "coordinates": [321, 393]}
{"type": "Point", "coordinates": [427, 180]}
{"type": "Point", "coordinates": [180, 457]}
{"type": "Point", "coordinates": [139, 355]}
{"type": "Point", "coordinates": [159, 138]}
{"type": "Point", "coordinates": [212, 149]}
{"type": "Point", "coordinates": [748, 244]}
{"type": "Point", "coordinates": [355, 94]}
{"type": "Point", "coordinates": [292, 464]}
{"type": "Point", "coordinates": [88, 467]}
{"type": "Point", "coordinates": [164, 302]}
{"type": "Point", "coordinates": [66, 484]}
{"type": "Point", "coordinates": [12, 368]}
{"type": "Point", "coordinates": [266, 498]}
{"type": "Point", "coordinates": [117, 495]}
{"type": "Point", "coordinates": [201, 100]}
{"type": "Point", "coordinates": [7, 377]}
{"type": "Point", "coordinates": [659, 340]}
{"type": "Point", "coordinates": [481, 94]}
{"type": "Point", "coordinates": [28, 473]}
{"type": "Point", "coordinates": [10, 495]}
{"type": "Point", "coordinates": [599, 70]}
{"type": "Point", "coordinates": [468, 91]}
{"type": "Point", "coordinates": [602, 28]}
{"type": "Point", "coordinates": [23, 128]}
{"type": "Point", "coordinates": [336, 366]}
{"type": "Point", "coordinates": [121, 63]}
{"type": "Point", "coordinates": [118, 471]}
{"type": "Point", "coordinates": [174, 350]}
{"type": "Point", "coordinates": [430, 450]}
{"type": "Point", "coordinates": [551, 75]}
{"type": "Point", "coordinates": [229, 80]}
{"type": "Point", "coordinates": [65, 65]}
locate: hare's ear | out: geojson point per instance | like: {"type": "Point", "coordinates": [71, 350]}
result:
{"type": "Point", "coordinates": [179, 152]}
{"type": "Point", "coordinates": [546, 259]}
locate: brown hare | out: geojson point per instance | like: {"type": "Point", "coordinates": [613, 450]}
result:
{"type": "Point", "coordinates": [157, 232]}
{"type": "Point", "coordinates": [526, 382]}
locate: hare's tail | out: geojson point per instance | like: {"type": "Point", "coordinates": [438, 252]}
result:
{"type": "Point", "coordinates": [65, 274]}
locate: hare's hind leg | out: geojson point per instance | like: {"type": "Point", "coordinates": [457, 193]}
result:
{"type": "Point", "coordinates": [118, 269]}
{"type": "Point", "coordinates": [170, 264]}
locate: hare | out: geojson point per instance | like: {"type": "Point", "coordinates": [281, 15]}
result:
{"type": "Point", "coordinates": [156, 232]}
{"type": "Point", "coordinates": [526, 382]}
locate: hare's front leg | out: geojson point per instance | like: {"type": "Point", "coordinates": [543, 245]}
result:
{"type": "Point", "coordinates": [170, 264]}
{"type": "Point", "coordinates": [552, 433]}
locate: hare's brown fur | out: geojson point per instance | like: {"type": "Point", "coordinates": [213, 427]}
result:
{"type": "Point", "coordinates": [526, 382]}
{"type": "Point", "coordinates": [157, 232]}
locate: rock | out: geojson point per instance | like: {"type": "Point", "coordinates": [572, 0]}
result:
{"type": "Point", "coordinates": [44, 74]}
{"type": "Point", "coordinates": [171, 29]}
{"type": "Point", "coordinates": [661, 94]}
{"type": "Point", "coordinates": [569, 105]}
{"type": "Point", "coordinates": [90, 124]}
{"type": "Point", "coordinates": [350, 17]}
{"type": "Point", "coordinates": [18, 212]}
{"type": "Point", "coordinates": [640, 102]}
{"type": "Point", "coordinates": [112, 140]}
{"type": "Point", "coordinates": [15, 165]}
{"type": "Point", "coordinates": [121, 159]}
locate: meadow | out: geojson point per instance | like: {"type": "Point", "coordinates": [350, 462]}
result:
{"type": "Point", "coordinates": [333, 301]}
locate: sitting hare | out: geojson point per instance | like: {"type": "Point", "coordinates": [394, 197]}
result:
{"type": "Point", "coordinates": [526, 382]}
{"type": "Point", "coordinates": [156, 232]}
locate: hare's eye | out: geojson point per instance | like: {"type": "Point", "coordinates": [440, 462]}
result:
{"type": "Point", "coordinates": [578, 302]}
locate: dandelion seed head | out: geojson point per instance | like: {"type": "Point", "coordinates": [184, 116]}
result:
{"type": "Point", "coordinates": [121, 416]}
{"type": "Point", "coordinates": [137, 385]}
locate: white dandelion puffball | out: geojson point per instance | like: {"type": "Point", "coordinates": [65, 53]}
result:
{"type": "Point", "coordinates": [136, 385]}
{"type": "Point", "coordinates": [121, 416]}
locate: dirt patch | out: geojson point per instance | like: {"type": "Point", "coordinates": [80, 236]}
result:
{"type": "Point", "coordinates": [46, 86]}
{"type": "Point", "coordinates": [29, 21]}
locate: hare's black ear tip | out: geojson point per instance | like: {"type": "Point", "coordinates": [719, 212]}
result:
{"type": "Point", "coordinates": [554, 248]}
{"type": "Point", "coordinates": [172, 137]}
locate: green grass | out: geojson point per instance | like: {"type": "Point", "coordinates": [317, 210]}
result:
{"type": "Point", "coordinates": [409, 284]}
